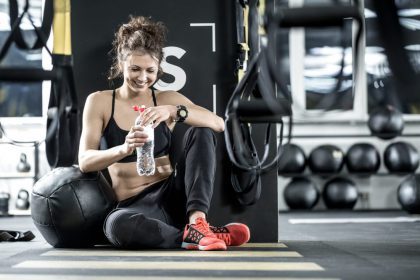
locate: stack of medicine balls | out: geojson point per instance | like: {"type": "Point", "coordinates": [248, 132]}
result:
{"type": "Point", "coordinates": [361, 159]}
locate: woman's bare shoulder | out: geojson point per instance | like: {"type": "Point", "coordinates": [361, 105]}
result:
{"type": "Point", "coordinates": [100, 94]}
{"type": "Point", "coordinates": [166, 92]}
{"type": "Point", "coordinates": [169, 97]}
{"type": "Point", "coordinates": [100, 97]}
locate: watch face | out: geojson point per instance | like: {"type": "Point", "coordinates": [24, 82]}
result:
{"type": "Point", "coordinates": [182, 113]}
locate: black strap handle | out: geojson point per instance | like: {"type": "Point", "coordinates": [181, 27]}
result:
{"type": "Point", "coordinates": [257, 111]}
{"type": "Point", "coordinates": [12, 235]}
{"type": "Point", "coordinates": [20, 74]}
{"type": "Point", "coordinates": [321, 16]}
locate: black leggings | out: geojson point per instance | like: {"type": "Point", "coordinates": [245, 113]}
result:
{"type": "Point", "coordinates": [155, 218]}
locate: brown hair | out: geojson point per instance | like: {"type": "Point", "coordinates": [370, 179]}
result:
{"type": "Point", "coordinates": [139, 34]}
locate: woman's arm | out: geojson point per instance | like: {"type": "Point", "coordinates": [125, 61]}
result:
{"type": "Point", "coordinates": [197, 115]}
{"type": "Point", "coordinates": [92, 159]}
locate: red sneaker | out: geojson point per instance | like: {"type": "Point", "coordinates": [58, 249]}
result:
{"type": "Point", "coordinates": [233, 234]}
{"type": "Point", "coordinates": [198, 236]}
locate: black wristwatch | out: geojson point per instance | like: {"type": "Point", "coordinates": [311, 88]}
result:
{"type": "Point", "coordinates": [181, 113]}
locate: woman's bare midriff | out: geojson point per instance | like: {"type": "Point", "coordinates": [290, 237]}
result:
{"type": "Point", "coordinates": [127, 183]}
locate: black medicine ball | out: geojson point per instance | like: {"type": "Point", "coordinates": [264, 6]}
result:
{"type": "Point", "coordinates": [409, 194]}
{"type": "Point", "coordinates": [340, 193]}
{"type": "Point", "coordinates": [301, 193]}
{"type": "Point", "coordinates": [292, 160]}
{"type": "Point", "coordinates": [69, 207]}
{"type": "Point", "coordinates": [326, 159]}
{"type": "Point", "coordinates": [401, 157]}
{"type": "Point", "coordinates": [363, 158]}
{"type": "Point", "coordinates": [386, 122]}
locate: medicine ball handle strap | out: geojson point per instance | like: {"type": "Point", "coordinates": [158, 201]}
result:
{"type": "Point", "coordinates": [11, 235]}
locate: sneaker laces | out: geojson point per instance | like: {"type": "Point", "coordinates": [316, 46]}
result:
{"type": "Point", "coordinates": [202, 226]}
{"type": "Point", "coordinates": [224, 236]}
{"type": "Point", "coordinates": [221, 233]}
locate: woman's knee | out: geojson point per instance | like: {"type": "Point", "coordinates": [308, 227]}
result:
{"type": "Point", "coordinates": [202, 135]}
{"type": "Point", "coordinates": [126, 228]}
{"type": "Point", "coordinates": [118, 227]}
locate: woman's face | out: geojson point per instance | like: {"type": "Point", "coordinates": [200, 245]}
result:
{"type": "Point", "coordinates": [140, 71]}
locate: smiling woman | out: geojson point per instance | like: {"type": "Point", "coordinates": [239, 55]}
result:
{"type": "Point", "coordinates": [166, 209]}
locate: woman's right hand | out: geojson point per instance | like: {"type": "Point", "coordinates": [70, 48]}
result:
{"type": "Point", "coordinates": [136, 137]}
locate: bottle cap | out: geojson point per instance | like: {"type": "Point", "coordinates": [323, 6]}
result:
{"type": "Point", "coordinates": [139, 109]}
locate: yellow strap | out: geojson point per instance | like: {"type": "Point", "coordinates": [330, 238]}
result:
{"type": "Point", "coordinates": [61, 27]}
{"type": "Point", "coordinates": [261, 11]}
{"type": "Point", "coordinates": [245, 49]}
{"type": "Point", "coordinates": [241, 74]}
{"type": "Point", "coordinates": [246, 13]}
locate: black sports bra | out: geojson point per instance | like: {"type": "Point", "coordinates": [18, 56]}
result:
{"type": "Point", "coordinates": [113, 135]}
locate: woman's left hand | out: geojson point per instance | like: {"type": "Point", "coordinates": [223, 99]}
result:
{"type": "Point", "coordinates": [157, 114]}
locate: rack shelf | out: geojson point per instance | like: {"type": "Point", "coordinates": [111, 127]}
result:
{"type": "Point", "coordinates": [16, 175]}
{"type": "Point", "coordinates": [23, 175]}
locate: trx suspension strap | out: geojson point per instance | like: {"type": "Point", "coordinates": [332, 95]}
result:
{"type": "Point", "coordinates": [245, 182]}
{"type": "Point", "coordinates": [42, 33]}
{"type": "Point", "coordinates": [15, 35]}
{"type": "Point", "coordinates": [245, 107]}
{"type": "Point", "coordinates": [63, 113]}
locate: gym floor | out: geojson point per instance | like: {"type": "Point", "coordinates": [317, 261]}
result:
{"type": "Point", "coordinates": [313, 245]}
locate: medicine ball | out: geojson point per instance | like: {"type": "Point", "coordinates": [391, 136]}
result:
{"type": "Point", "coordinates": [386, 122]}
{"type": "Point", "coordinates": [409, 194]}
{"type": "Point", "coordinates": [401, 157]}
{"type": "Point", "coordinates": [69, 207]}
{"type": "Point", "coordinates": [292, 160]}
{"type": "Point", "coordinates": [326, 159]}
{"type": "Point", "coordinates": [362, 158]}
{"type": "Point", "coordinates": [340, 193]}
{"type": "Point", "coordinates": [301, 193]}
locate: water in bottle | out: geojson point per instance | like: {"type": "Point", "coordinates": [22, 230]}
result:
{"type": "Point", "coordinates": [145, 159]}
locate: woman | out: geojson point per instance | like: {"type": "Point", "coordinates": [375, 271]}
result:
{"type": "Point", "coordinates": [167, 209]}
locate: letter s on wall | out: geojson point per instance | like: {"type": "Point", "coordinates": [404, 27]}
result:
{"type": "Point", "coordinates": [177, 72]}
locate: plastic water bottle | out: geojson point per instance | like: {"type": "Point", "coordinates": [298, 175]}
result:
{"type": "Point", "coordinates": [145, 159]}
